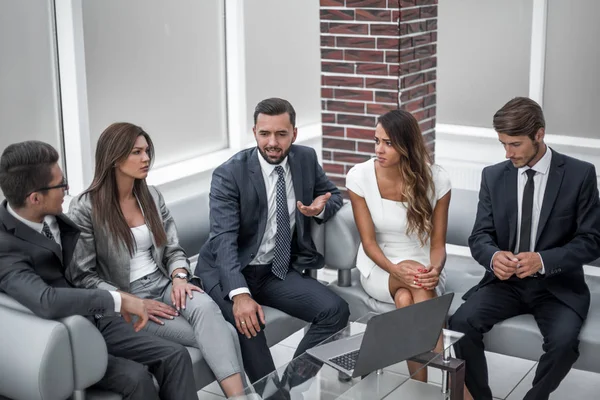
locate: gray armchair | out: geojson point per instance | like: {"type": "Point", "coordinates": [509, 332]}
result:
{"type": "Point", "coordinates": [50, 360]}
{"type": "Point", "coordinates": [46, 359]}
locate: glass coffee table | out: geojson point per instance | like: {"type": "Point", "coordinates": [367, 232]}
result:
{"type": "Point", "coordinates": [305, 377]}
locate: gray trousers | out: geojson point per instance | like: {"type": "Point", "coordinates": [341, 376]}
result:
{"type": "Point", "coordinates": [200, 325]}
{"type": "Point", "coordinates": [135, 357]}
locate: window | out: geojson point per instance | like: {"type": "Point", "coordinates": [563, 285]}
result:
{"type": "Point", "coordinates": [160, 65]}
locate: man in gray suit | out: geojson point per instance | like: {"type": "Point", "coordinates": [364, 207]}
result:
{"type": "Point", "coordinates": [260, 237]}
{"type": "Point", "coordinates": [36, 244]}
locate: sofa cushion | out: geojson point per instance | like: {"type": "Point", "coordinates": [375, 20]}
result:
{"type": "Point", "coordinates": [461, 216]}
{"type": "Point", "coordinates": [191, 215]}
{"type": "Point", "coordinates": [359, 302]}
{"type": "Point", "coordinates": [280, 325]}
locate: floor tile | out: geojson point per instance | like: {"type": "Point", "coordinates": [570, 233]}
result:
{"type": "Point", "coordinates": [281, 354]}
{"type": "Point", "coordinates": [576, 385]}
{"type": "Point", "coordinates": [293, 340]}
{"type": "Point", "coordinates": [506, 372]}
{"type": "Point", "coordinates": [213, 388]}
{"type": "Point", "coordinates": [203, 395]}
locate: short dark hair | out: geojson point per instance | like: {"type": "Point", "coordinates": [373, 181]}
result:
{"type": "Point", "coordinates": [519, 117]}
{"type": "Point", "coordinates": [275, 106]}
{"type": "Point", "coordinates": [24, 168]}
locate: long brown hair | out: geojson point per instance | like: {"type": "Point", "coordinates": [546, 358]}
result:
{"type": "Point", "coordinates": [415, 171]}
{"type": "Point", "coordinates": [114, 146]}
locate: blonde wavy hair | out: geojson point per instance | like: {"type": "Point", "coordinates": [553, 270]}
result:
{"type": "Point", "coordinates": [415, 170]}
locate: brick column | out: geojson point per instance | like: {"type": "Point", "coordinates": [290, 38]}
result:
{"type": "Point", "coordinates": [376, 56]}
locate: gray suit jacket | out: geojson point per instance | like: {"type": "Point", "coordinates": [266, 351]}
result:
{"type": "Point", "coordinates": [100, 262]}
{"type": "Point", "coordinates": [238, 216]}
{"type": "Point", "coordinates": [32, 271]}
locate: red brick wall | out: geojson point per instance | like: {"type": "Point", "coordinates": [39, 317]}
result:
{"type": "Point", "coordinates": [376, 56]}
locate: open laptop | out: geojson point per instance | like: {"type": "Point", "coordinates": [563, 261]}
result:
{"type": "Point", "coordinates": [388, 339]}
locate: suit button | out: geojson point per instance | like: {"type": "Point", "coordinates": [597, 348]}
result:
{"type": "Point", "coordinates": [252, 255]}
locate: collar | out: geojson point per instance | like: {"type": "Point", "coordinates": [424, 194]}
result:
{"type": "Point", "coordinates": [269, 168]}
{"type": "Point", "coordinates": [36, 226]}
{"type": "Point", "coordinates": [542, 166]}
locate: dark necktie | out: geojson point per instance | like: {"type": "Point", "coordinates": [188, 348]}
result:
{"type": "Point", "coordinates": [527, 213]}
{"type": "Point", "coordinates": [47, 232]}
{"type": "Point", "coordinates": [283, 237]}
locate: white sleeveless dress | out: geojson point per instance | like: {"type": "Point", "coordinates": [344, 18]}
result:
{"type": "Point", "coordinates": [390, 220]}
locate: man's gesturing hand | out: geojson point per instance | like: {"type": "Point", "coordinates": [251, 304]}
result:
{"type": "Point", "coordinates": [529, 264]}
{"type": "Point", "coordinates": [504, 264]}
{"type": "Point", "coordinates": [132, 305]}
{"type": "Point", "coordinates": [247, 313]}
{"type": "Point", "coordinates": [316, 207]}
{"type": "Point", "coordinates": [158, 309]}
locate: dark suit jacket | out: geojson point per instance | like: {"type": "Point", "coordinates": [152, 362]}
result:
{"type": "Point", "coordinates": [568, 234]}
{"type": "Point", "coordinates": [238, 216]}
{"type": "Point", "coordinates": [32, 271]}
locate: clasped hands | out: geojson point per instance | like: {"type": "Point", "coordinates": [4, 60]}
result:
{"type": "Point", "coordinates": [507, 264]}
{"type": "Point", "coordinates": [416, 275]}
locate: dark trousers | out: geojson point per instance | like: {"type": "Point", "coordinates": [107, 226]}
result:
{"type": "Point", "coordinates": [297, 295]}
{"type": "Point", "coordinates": [135, 357]}
{"type": "Point", "coordinates": [558, 323]}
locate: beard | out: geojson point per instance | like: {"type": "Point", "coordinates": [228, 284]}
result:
{"type": "Point", "coordinates": [536, 150]}
{"type": "Point", "coordinates": [274, 161]}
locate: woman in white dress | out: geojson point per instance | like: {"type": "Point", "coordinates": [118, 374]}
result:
{"type": "Point", "coordinates": [400, 204]}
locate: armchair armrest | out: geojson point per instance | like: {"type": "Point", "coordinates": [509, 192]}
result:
{"type": "Point", "coordinates": [341, 243]}
{"type": "Point", "coordinates": [35, 357]}
{"type": "Point", "coordinates": [87, 348]}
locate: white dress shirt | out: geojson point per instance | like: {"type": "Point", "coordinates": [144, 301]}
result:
{"type": "Point", "coordinates": [540, 180]}
{"type": "Point", "coordinates": [266, 250]}
{"type": "Point", "coordinates": [53, 225]}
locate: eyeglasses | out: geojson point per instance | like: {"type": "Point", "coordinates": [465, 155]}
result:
{"type": "Point", "coordinates": [64, 185]}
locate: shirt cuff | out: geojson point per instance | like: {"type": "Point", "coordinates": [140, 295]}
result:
{"type": "Point", "coordinates": [320, 216]}
{"type": "Point", "coordinates": [237, 291]}
{"type": "Point", "coordinates": [117, 298]}
{"type": "Point", "coordinates": [543, 270]}
{"type": "Point", "coordinates": [492, 260]}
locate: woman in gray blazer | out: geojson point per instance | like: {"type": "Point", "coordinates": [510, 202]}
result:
{"type": "Point", "coordinates": [129, 243]}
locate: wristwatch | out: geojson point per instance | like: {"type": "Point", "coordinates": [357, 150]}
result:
{"type": "Point", "coordinates": [181, 275]}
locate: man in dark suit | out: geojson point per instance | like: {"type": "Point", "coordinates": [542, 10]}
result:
{"type": "Point", "coordinates": [260, 237]}
{"type": "Point", "coordinates": [36, 244]}
{"type": "Point", "coordinates": [538, 222]}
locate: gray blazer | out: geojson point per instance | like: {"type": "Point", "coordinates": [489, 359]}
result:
{"type": "Point", "coordinates": [100, 262]}
{"type": "Point", "coordinates": [238, 216]}
{"type": "Point", "coordinates": [32, 271]}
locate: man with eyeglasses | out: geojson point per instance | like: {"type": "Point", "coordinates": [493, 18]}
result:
{"type": "Point", "coordinates": [36, 244]}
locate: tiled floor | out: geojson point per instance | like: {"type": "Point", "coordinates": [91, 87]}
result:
{"type": "Point", "coordinates": [510, 378]}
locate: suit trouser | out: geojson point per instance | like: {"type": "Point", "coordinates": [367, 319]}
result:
{"type": "Point", "coordinates": [199, 325]}
{"type": "Point", "coordinates": [135, 357]}
{"type": "Point", "coordinates": [297, 295]}
{"type": "Point", "coordinates": [500, 300]}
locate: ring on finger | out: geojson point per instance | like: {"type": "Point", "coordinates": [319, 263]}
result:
{"type": "Point", "coordinates": [243, 322]}
{"type": "Point", "coordinates": [414, 282]}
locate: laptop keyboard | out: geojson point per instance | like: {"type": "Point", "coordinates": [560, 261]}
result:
{"type": "Point", "coordinates": [346, 361]}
